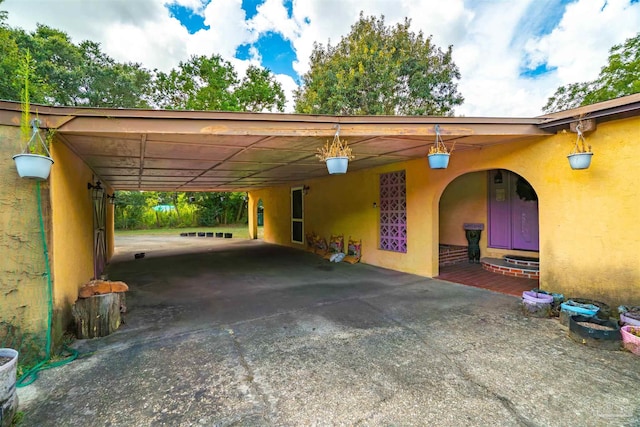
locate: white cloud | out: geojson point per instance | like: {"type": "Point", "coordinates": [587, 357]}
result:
{"type": "Point", "coordinates": [491, 39]}
{"type": "Point", "coordinates": [580, 44]}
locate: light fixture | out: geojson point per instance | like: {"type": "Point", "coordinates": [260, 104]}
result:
{"type": "Point", "coordinates": [97, 192]}
{"type": "Point", "coordinates": [111, 199]}
{"type": "Point", "coordinates": [497, 178]}
{"type": "Point", "coordinates": [305, 189]}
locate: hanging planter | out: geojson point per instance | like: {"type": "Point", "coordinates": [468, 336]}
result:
{"type": "Point", "coordinates": [439, 154]}
{"type": "Point", "coordinates": [337, 165]}
{"type": "Point", "coordinates": [439, 160]}
{"type": "Point", "coordinates": [35, 159]}
{"type": "Point", "coordinates": [580, 156]}
{"type": "Point", "coordinates": [33, 166]}
{"type": "Point", "coordinates": [336, 154]}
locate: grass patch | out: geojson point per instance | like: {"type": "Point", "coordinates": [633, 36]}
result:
{"type": "Point", "coordinates": [240, 231]}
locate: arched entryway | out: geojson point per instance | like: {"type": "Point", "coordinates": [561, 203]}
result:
{"type": "Point", "coordinates": [503, 207]}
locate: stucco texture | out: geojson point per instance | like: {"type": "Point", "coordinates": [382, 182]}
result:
{"type": "Point", "coordinates": [72, 235]}
{"type": "Point", "coordinates": [23, 268]}
{"type": "Point", "coordinates": [587, 219]}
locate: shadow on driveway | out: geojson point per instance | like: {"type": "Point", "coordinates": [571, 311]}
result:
{"type": "Point", "coordinates": [246, 333]}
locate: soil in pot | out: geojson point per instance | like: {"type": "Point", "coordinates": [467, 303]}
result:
{"type": "Point", "coordinates": [594, 332]}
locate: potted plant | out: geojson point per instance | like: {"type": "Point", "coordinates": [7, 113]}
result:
{"type": "Point", "coordinates": [580, 156]}
{"type": "Point", "coordinates": [336, 154]}
{"type": "Point", "coordinates": [438, 153]}
{"type": "Point", "coordinates": [35, 159]}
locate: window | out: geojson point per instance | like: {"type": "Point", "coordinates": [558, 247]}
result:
{"type": "Point", "coordinates": [393, 212]}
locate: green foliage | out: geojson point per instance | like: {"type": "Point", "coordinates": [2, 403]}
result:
{"type": "Point", "coordinates": [82, 74]}
{"type": "Point", "coordinates": [620, 77]}
{"type": "Point", "coordinates": [380, 70]}
{"type": "Point", "coordinates": [134, 209]}
{"type": "Point", "coordinates": [25, 74]}
{"type": "Point", "coordinates": [259, 91]}
{"type": "Point", "coordinates": [211, 83]}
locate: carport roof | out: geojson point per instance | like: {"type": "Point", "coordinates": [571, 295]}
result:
{"type": "Point", "coordinates": [170, 150]}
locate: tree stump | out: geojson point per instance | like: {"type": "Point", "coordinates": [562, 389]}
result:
{"type": "Point", "coordinates": [98, 315]}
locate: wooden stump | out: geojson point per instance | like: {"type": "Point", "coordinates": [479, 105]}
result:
{"type": "Point", "coordinates": [98, 315]}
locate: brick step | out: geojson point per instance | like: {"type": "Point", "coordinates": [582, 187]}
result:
{"type": "Point", "coordinates": [506, 268]}
{"type": "Point", "coordinates": [522, 261]}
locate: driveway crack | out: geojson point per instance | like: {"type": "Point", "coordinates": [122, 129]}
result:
{"type": "Point", "coordinates": [504, 401]}
{"type": "Point", "coordinates": [250, 377]}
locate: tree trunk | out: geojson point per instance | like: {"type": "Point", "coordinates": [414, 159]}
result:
{"type": "Point", "coordinates": [98, 316]}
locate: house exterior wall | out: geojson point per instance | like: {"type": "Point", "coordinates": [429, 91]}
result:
{"type": "Point", "coordinates": [23, 267]}
{"type": "Point", "coordinates": [72, 235]}
{"type": "Point", "coordinates": [588, 219]}
{"type": "Point", "coordinates": [464, 200]}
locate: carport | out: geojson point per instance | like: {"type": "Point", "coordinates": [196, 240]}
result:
{"type": "Point", "coordinates": [270, 155]}
{"type": "Point", "coordinates": [252, 333]}
{"type": "Point", "coordinates": [249, 333]}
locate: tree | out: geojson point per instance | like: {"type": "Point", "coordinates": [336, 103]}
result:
{"type": "Point", "coordinates": [211, 83]}
{"type": "Point", "coordinates": [107, 83]}
{"type": "Point", "coordinates": [69, 74]}
{"type": "Point", "coordinates": [259, 91]}
{"type": "Point", "coordinates": [378, 70]}
{"type": "Point", "coordinates": [620, 77]}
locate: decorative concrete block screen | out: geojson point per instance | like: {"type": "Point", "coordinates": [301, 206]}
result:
{"type": "Point", "coordinates": [393, 212]}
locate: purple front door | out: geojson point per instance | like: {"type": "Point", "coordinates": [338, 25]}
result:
{"type": "Point", "coordinates": [513, 217]}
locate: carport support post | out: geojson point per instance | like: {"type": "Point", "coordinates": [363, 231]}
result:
{"type": "Point", "coordinates": [253, 216]}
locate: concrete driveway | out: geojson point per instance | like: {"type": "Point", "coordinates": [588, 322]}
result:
{"type": "Point", "coordinates": [235, 332]}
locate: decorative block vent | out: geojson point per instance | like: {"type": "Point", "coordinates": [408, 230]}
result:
{"type": "Point", "coordinates": [393, 212]}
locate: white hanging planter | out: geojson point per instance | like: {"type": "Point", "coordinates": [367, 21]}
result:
{"type": "Point", "coordinates": [579, 161]}
{"type": "Point", "coordinates": [438, 160]}
{"type": "Point", "coordinates": [33, 166]}
{"type": "Point", "coordinates": [336, 154]}
{"type": "Point", "coordinates": [580, 156]}
{"type": "Point", "coordinates": [337, 165]}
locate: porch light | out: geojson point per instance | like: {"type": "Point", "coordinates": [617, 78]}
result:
{"type": "Point", "coordinates": [111, 199]}
{"type": "Point", "coordinates": [97, 192]}
{"type": "Point", "coordinates": [497, 178]}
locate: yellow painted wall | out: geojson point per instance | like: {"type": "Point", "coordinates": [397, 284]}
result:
{"type": "Point", "coordinates": [588, 219]}
{"type": "Point", "coordinates": [464, 200]}
{"type": "Point", "coordinates": [72, 235]}
{"type": "Point", "coordinates": [23, 267]}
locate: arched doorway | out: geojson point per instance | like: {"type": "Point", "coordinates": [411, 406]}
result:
{"type": "Point", "coordinates": [504, 206]}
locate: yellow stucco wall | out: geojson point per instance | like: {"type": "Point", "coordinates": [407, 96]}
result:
{"type": "Point", "coordinates": [588, 219]}
{"type": "Point", "coordinates": [23, 267]}
{"type": "Point", "coordinates": [72, 235]}
{"type": "Point", "coordinates": [464, 200]}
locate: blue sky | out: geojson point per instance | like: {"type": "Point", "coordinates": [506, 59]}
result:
{"type": "Point", "coordinates": [512, 54]}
